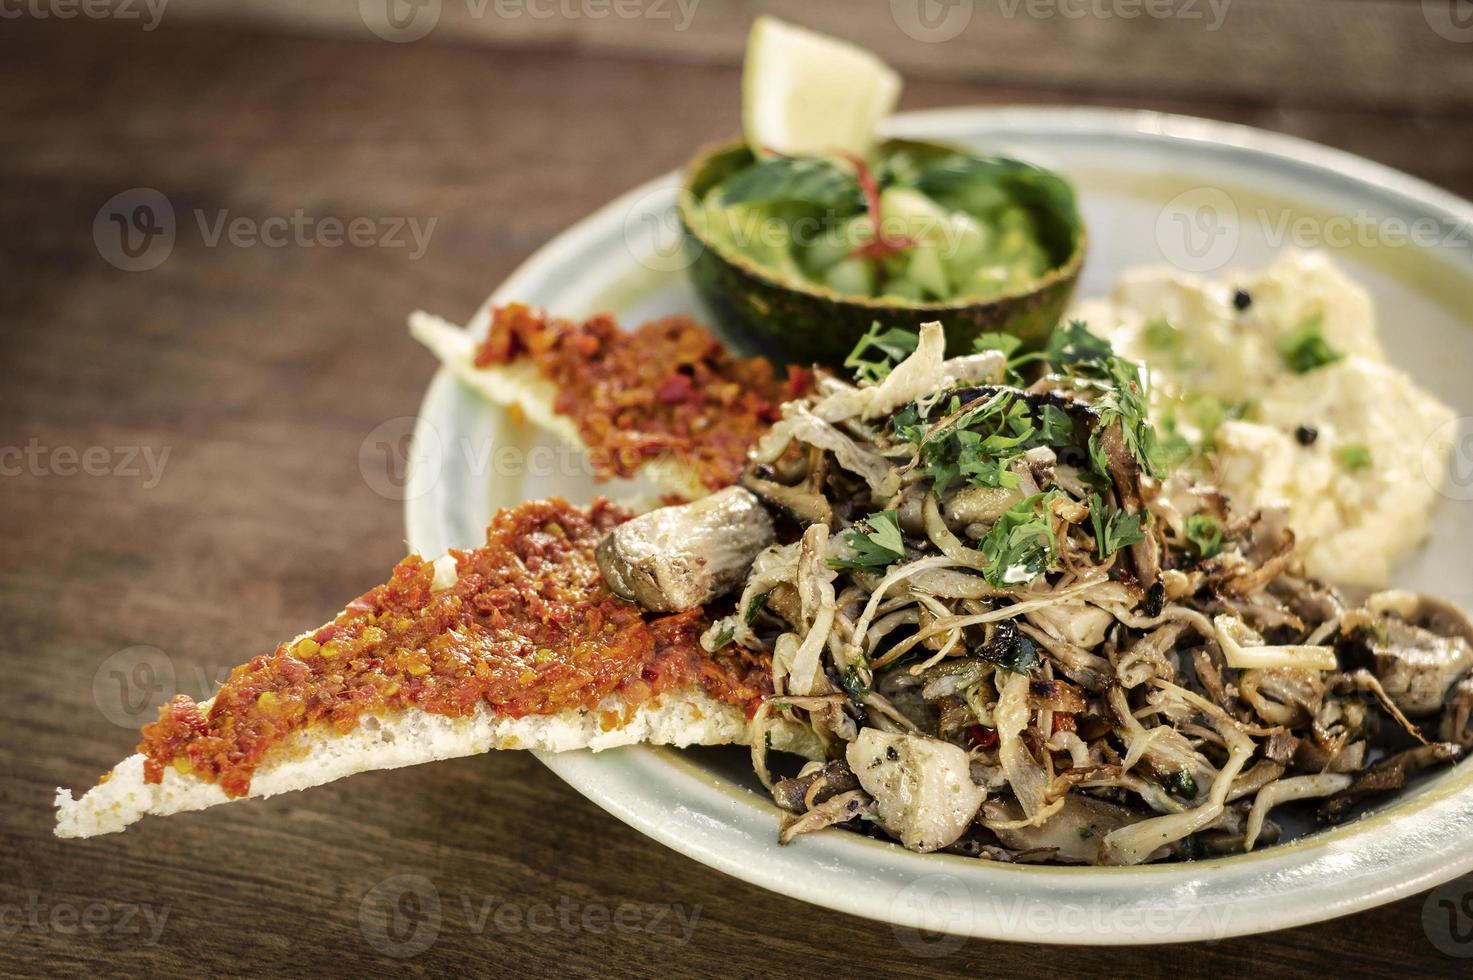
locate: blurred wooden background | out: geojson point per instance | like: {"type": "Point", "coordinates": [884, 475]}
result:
{"type": "Point", "coordinates": [262, 371]}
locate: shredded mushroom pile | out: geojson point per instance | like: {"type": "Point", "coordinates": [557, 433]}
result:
{"type": "Point", "coordinates": [1019, 636]}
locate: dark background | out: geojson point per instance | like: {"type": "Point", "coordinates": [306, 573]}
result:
{"type": "Point", "coordinates": [261, 371]}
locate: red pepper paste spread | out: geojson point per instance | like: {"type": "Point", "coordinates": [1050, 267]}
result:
{"type": "Point", "coordinates": [528, 629]}
{"type": "Point", "coordinates": [667, 388]}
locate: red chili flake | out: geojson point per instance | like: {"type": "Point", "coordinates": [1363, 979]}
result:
{"type": "Point", "coordinates": [983, 736]}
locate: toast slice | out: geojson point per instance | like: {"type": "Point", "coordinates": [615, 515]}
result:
{"type": "Point", "coordinates": [515, 645]}
{"type": "Point", "coordinates": [664, 401]}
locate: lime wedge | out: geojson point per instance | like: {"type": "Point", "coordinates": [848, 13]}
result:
{"type": "Point", "coordinates": [807, 94]}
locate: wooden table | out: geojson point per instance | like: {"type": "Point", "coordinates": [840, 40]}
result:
{"type": "Point", "coordinates": [260, 370]}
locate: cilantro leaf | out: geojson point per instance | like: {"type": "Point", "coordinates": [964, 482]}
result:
{"type": "Point", "coordinates": [879, 547]}
{"type": "Point", "coordinates": [1004, 342]}
{"type": "Point", "coordinates": [1020, 546]}
{"type": "Point", "coordinates": [1305, 348]}
{"type": "Point", "coordinates": [1204, 535]}
{"type": "Point", "coordinates": [806, 180]}
{"type": "Point", "coordinates": [1114, 531]}
{"type": "Point", "coordinates": [892, 346]}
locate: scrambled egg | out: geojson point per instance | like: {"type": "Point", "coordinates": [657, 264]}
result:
{"type": "Point", "coordinates": [1277, 381]}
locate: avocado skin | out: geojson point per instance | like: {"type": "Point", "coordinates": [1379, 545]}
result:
{"type": "Point", "coordinates": [815, 326]}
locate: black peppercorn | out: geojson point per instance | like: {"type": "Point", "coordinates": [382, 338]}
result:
{"type": "Point", "coordinates": [1306, 434]}
{"type": "Point", "coordinates": [1241, 300]}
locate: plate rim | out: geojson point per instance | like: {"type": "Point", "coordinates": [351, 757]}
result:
{"type": "Point", "coordinates": [1416, 818]}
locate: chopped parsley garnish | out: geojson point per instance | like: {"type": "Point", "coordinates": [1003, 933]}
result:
{"type": "Point", "coordinates": [853, 683]}
{"type": "Point", "coordinates": [725, 636]}
{"type": "Point", "coordinates": [1204, 535]}
{"type": "Point", "coordinates": [1305, 348]}
{"type": "Point", "coordinates": [877, 353]}
{"type": "Point", "coordinates": [1162, 335]}
{"type": "Point", "coordinates": [876, 548]}
{"type": "Point", "coordinates": [1354, 456]}
{"type": "Point", "coordinates": [755, 606]}
{"type": "Point", "coordinates": [1091, 362]}
{"type": "Point", "coordinates": [1020, 546]}
{"type": "Point", "coordinates": [1115, 531]}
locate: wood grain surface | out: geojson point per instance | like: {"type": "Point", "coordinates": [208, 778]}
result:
{"type": "Point", "coordinates": [250, 375]}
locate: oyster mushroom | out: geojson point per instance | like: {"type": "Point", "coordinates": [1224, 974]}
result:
{"type": "Point", "coordinates": [677, 558]}
{"type": "Point", "coordinates": [1419, 648]}
{"type": "Point", "coordinates": [922, 787]}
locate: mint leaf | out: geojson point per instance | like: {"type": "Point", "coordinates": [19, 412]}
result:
{"type": "Point", "coordinates": [782, 180]}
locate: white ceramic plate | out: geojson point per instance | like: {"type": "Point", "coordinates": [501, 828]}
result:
{"type": "Point", "coordinates": [1204, 196]}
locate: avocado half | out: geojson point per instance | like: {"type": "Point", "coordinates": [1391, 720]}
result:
{"type": "Point", "coordinates": [803, 322]}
